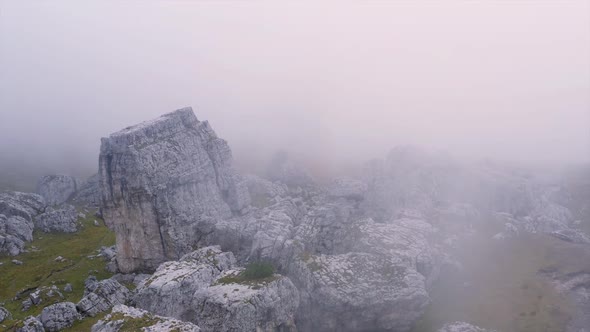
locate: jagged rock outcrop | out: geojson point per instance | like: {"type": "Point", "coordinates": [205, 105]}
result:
{"type": "Point", "coordinates": [169, 291]}
{"type": "Point", "coordinates": [57, 189]}
{"type": "Point", "coordinates": [123, 317]}
{"type": "Point", "coordinates": [358, 292]}
{"type": "Point", "coordinates": [17, 211]}
{"type": "Point", "coordinates": [462, 327]}
{"type": "Point", "coordinates": [15, 231]}
{"type": "Point", "coordinates": [63, 219]}
{"type": "Point", "coordinates": [31, 324]}
{"type": "Point", "coordinates": [231, 304]}
{"type": "Point", "coordinates": [263, 192]}
{"type": "Point", "coordinates": [101, 295]}
{"type": "Point", "coordinates": [88, 192]}
{"type": "Point", "coordinates": [25, 205]}
{"type": "Point", "coordinates": [59, 316]}
{"type": "Point", "coordinates": [4, 314]}
{"type": "Point", "coordinates": [164, 183]}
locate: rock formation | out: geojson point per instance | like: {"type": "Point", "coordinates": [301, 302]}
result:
{"type": "Point", "coordinates": [89, 192]}
{"type": "Point", "coordinates": [59, 316]}
{"type": "Point", "coordinates": [163, 183]}
{"type": "Point", "coordinates": [122, 317]}
{"type": "Point", "coordinates": [101, 295]}
{"type": "Point", "coordinates": [17, 211]}
{"type": "Point", "coordinates": [57, 189]}
{"type": "Point", "coordinates": [62, 219]}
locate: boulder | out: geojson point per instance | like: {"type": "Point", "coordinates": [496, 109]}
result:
{"type": "Point", "coordinates": [122, 318]}
{"type": "Point", "coordinates": [357, 292]}
{"type": "Point", "coordinates": [101, 295]}
{"type": "Point", "coordinates": [57, 189]}
{"type": "Point", "coordinates": [63, 219]}
{"type": "Point", "coordinates": [4, 314]}
{"type": "Point", "coordinates": [31, 324]}
{"type": "Point", "coordinates": [20, 204]}
{"type": "Point", "coordinates": [231, 304]}
{"type": "Point", "coordinates": [59, 316]}
{"type": "Point", "coordinates": [169, 291]}
{"type": "Point", "coordinates": [15, 231]}
{"type": "Point", "coordinates": [88, 192]}
{"type": "Point", "coordinates": [262, 191]}
{"type": "Point", "coordinates": [17, 211]}
{"type": "Point", "coordinates": [164, 183]}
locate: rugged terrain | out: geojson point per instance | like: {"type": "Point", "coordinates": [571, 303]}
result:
{"type": "Point", "coordinates": [419, 242]}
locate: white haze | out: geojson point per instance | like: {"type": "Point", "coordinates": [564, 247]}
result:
{"type": "Point", "coordinates": [333, 82]}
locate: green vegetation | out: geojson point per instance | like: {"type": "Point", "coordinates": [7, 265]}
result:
{"type": "Point", "coordinates": [255, 274]}
{"type": "Point", "coordinates": [134, 324]}
{"type": "Point", "coordinates": [258, 270]}
{"type": "Point", "coordinates": [40, 269]}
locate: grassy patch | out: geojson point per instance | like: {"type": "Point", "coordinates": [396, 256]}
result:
{"type": "Point", "coordinates": [255, 274]}
{"type": "Point", "coordinates": [40, 268]}
{"type": "Point", "coordinates": [135, 324]}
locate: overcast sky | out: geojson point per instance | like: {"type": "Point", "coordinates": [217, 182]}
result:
{"type": "Point", "coordinates": [337, 81]}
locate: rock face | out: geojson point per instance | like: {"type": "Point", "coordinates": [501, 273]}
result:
{"type": "Point", "coordinates": [14, 232]}
{"type": "Point", "coordinates": [4, 314]}
{"type": "Point", "coordinates": [57, 189]}
{"type": "Point", "coordinates": [123, 317]}
{"type": "Point", "coordinates": [59, 316]}
{"type": "Point", "coordinates": [89, 192]}
{"type": "Point", "coordinates": [169, 291]}
{"type": "Point", "coordinates": [17, 211]}
{"type": "Point", "coordinates": [163, 183]}
{"type": "Point", "coordinates": [63, 219]}
{"type": "Point", "coordinates": [31, 324]}
{"type": "Point", "coordinates": [358, 292]}
{"type": "Point", "coordinates": [266, 305]}
{"type": "Point", "coordinates": [101, 295]}
{"type": "Point", "coordinates": [203, 288]}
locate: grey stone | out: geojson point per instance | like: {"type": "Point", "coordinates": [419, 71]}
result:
{"type": "Point", "coordinates": [31, 324]}
{"type": "Point", "coordinates": [63, 219]}
{"type": "Point", "coordinates": [164, 182]}
{"type": "Point", "coordinates": [169, 291]}
{"type": "Point", "coordinates": [122, 314]}
{"type": "Point", "coordinates": [101, 295]}
{"type": "Point", "coordinates": [26, 304]}
{"type": "Point", "coordinates": [88, 192]}
{"type": "Point", "coordinates": [4, 314]}
{"type": "Point", "coordinates": [57, 189]}
{"type": "Point", "coordinates": [35, 297]}
{"type": "Point", "coordinates": [258, 305]}
{"type": "Point", "coordinates": [108, 253]}
{"type": "Point", "coordinates": [17, 262]}
{"type": "Point", "coordinates": [59, 316]}
{"type": "Point", "coordinates": [358, 291]}
{"type": "Point", "coordinates": [25, 205]}
{"type": "Point", "coordinates": [15, 231]}
{"type": "Point", "coordinates": [68, 288]}
{"type": "Point", "coordinates": [17, 211]}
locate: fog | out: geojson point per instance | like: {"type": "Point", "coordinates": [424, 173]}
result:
{"type": "Point", "coordinates": [332, 83]}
